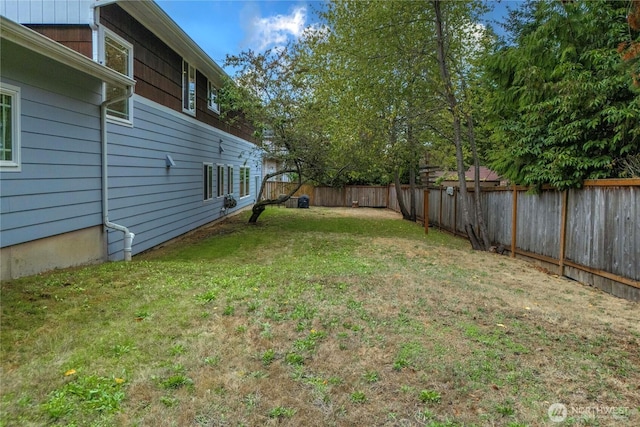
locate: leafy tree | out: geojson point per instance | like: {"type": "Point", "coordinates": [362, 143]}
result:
{"type": "Point", "coordinates": [379, 72]}
{"type": "Point", "coordinates": [559, 102]}
{"type": "Point", "coordinates": [273, 93]}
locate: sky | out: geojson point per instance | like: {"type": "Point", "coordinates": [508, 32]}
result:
{"type": "Point", "coordinates": [222, 27]}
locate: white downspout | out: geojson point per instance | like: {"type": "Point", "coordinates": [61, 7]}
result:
{"type": "Point", "coordinates": [128, 235]}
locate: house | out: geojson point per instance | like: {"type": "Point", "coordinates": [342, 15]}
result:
{"type": "Point", "coordinates": [112, 140]}
{"type": "Point", "coordinates": [488, 178]}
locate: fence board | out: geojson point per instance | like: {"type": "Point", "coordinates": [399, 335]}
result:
{"type": "Point", "coordinates": [539, 226]}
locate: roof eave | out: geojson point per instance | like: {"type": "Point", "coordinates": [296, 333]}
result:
{"type": "Point", "coordinates": [36, 42]}
{"type": "Point", "coordinates": [149, 14]}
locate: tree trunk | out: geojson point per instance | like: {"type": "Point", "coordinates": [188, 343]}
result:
{"type": "Point", "coordinates": [400, 197]}
{"type": "Point", "coordinates": [412, 173]}
{"type": "Point", "coordinates": [261, 205]}
{"type": "Point", "coordinates": [457, 126]}
{"type": "Point", "coordinates": [482, 228]}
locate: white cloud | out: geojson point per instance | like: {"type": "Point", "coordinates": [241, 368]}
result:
{"type": "Point", "coordinates": [265, 32]}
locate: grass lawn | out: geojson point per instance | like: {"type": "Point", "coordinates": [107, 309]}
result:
{"type": "Point", "coordinates": [316, 317]}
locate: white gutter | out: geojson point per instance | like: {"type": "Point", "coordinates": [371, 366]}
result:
{"type": "Point", "coordinates": [128, 235]}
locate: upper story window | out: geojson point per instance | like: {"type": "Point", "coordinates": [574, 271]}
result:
{"type": "Point", "coordinates": [212, 97]}
{"type": "Point", "coordinates": [188, 88]}
{"type": "Point", "coordinates": [9, 128]}
{"type": "Point", "coordinates": [117, 54]}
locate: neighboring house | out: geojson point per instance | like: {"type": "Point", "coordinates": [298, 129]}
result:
{"type": "Point", "coordinates": [110, 129]}
{"type": "Point", "coordinates": [270, 163]}
{"type": "Point", "coordinates": [488, 178]}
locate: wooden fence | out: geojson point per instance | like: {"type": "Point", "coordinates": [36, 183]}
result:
{"type": "Point", "coordinates": [590, 234]}
{"type": "Point", "coordinates": [365, 196]}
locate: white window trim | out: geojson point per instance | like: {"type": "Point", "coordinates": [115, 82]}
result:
{"type": "Point", "coordinates": [185, 81]}
{"type": "Point", "coordinates": [211, 182]}
{"type": "Point", "coordinates": [13, 165]}
{"type": "Point", "coordinates": [215, 107]}
{"type": "Point", "coordinates": [106, 32]}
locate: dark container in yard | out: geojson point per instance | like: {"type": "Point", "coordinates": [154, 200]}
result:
{"type": "Point", "coordinates": [303, 201]}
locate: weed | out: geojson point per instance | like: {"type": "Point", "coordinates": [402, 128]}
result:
{"type": "Point", "coordinates": [251, 400]}
{"type": "Point", "coordinates": [177, 381]}
{"type": "Point", "coordinates": [404, 388]}
{"type": "Point", "coordinates": [268, 356]}
{"type": "Point", "coordinates": [229, 310]}
{"type": "Point", "coordinates": [371, 376]}
{"type": "Point", "coordinates": [266, 330]}
{"type": "Point", "coordinates": [358, 397]}
{"type": "Point", "coordinates": [207, 296]}
{"type": "Point", "coordinates": [168, 401]}
{"type": "Point", "coordinates": [281, 412]}
{"type": "Point", "coordinates": [121, 350]}
{"type": "Point", "coordinates": [400, 363]}
{"type": "Point", "coordinates": [212, 360]}
{"type": "Point", "coordinates": [429, 396]}
{"type": "Point", "coordinates": [258, 374]}
{"type": "Point", "coordinates": [309, 343]}
{"type": "Point", "coordinates": [177, 350]}
{"type": "Point", "coordinates": [85, 394]}
{"type": "Point", "coordinates": [505, 410]}
{"type": "Point", "coordinates": [294, 359]}
{"type": "Point", "coordinates": [142, 314]}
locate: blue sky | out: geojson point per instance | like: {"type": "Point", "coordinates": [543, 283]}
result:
{"type": "Point", "coordinates": [231, 26]}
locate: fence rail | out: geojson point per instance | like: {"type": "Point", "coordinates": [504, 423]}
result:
{"type": "Point", "coordinates": [590, 234]}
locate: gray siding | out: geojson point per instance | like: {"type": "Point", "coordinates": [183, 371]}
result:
{"type": "Point", "coordinates": [159, 203]}
{"type": "Point", "coordinates": [47, 11]}
{"type": "Point", "coordinates": [58, 188]}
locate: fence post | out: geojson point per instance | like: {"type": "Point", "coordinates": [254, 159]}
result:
{"type": "Point", "coordinates": [514, 221]}
{"type": "Point", "coordinates": [440, 213]}
{"type": "Point", "coordinates": [563, 230]}
{"type": "Point", "coordinates": [425, 207]}
{"type": "Point", "coordinates": [455, 210]}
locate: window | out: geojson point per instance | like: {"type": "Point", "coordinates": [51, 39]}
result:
{"type": "Point", "coordinates": [229, 179]}
{"type": "Point", "coordinates": [207, 180]}
{"type": "Point", "coordinates": [117, 54]}
{"type": "Point", "coordinates": [244, 181]}
{"type": "Point", "coordinates": [9, 128]}
{"type": "Point", "coordinates": [220, 181]}
{"type": "Point", "coordinates": [188, 88]}
{"type": "Point", "coordinates": [212, 97]}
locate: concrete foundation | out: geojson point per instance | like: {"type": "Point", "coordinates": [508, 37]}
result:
{"type": "Point", "coordinates": [79, 247]}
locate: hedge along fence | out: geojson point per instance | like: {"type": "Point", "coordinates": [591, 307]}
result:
{"type": "Point", "coordinates": [590, 234]}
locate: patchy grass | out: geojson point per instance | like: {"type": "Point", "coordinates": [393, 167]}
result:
{"type": "Point", "coordinates": [315, 317]}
